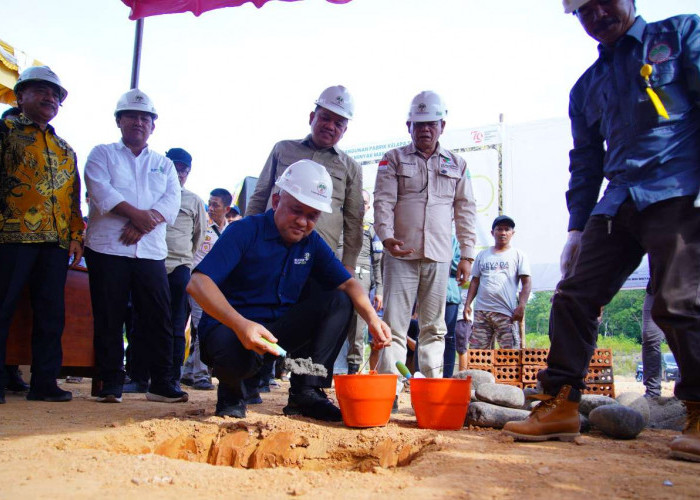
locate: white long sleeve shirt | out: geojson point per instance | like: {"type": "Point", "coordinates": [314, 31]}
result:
{"type": "Point", "coordinates": [147, 181]}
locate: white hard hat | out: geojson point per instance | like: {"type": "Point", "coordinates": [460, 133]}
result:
{"type": "Point", "coordinates": [571, 5]}
{"type": "Point", "coordinates": [427, 107]}
{"type": "Point", "coordinates": [135, 100]}
{"type": "Point", "coordinates": [338, 100]}
{"type": "Point", "coordinates": [309, 183]}
{"type": "Point", "coordinates": [40, 73]}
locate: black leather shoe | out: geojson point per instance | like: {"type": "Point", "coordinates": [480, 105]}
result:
{"type": "Point", "coordinates": [312, 402]}
{"type": "Point", "coordinates": [230, 401]}
{"type": "Point", "coordinates": [395, 406]}
{"type": "Point", "coordinates": [14, 380]}
{"type": "Point", "coordinates": [203, 385]}
{"type": "Point", "coordinates": [166, 393]}
{"type": "Point", "coordinates": [235, 411]}
{"type": "Point", "coordinates": [49, 394]}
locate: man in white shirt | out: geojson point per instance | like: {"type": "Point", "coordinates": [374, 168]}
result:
{"type": "Point", "coordinates": [134, 192]}
{"type": "Point", "coordinates": [498, 307]}
{"type": "Point", "coordinates": [196, 373]}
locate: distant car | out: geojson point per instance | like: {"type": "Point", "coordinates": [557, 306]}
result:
{"type": "Point", "coordinates": [669, 368]}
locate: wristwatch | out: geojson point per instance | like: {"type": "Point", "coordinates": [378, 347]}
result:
{"type": "Point", "coordinates": [470, 259]}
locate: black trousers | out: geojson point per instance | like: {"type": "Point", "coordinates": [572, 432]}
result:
{"type": "Point", "coordinates": [313, 328]}
{"type": "Point", "coordinates": [137, 351]}
{"type": "Point", "coordinates": [179, 310]}
{"type": "Point", "coordinates": [669, 231]}
{"type": "Point", "coordinates": [44, 267]}
{"type": "Point", "coordinates": [112, 279]}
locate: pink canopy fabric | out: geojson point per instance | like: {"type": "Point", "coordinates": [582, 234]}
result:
{"type": "Point", "coordinates": [146, 8]}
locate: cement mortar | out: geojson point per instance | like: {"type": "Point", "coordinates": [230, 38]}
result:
{"type": "Point", "coordinates": [305, 366]}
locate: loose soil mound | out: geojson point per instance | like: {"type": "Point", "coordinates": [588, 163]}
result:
{"type": "Point", "coordinates": [84, 449]}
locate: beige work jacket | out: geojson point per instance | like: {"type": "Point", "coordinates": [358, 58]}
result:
{"type": "Point", "coordinates": [415, 200]}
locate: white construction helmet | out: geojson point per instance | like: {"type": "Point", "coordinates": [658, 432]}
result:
{"type": "Point", "coordinates": [427, 107]}
{"type": "Point", "coordinates": [572, 5]}
{"type": "Point", "coordinates": [309, 183]}
{"type": "Point", "coordinates": [40, 73]}
{"type": "Point", "coordinates": [338, 100]}
{"type": "Point", "coordinates": [135, 100]}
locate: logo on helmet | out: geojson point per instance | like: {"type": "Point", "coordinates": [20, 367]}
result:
{"type": "Point", "coordinates": [321, 189]}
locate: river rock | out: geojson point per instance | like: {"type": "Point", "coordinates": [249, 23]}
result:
{"type": "Point", "coordinates": [584, 423]}
{"type": "Point", "coordinates": [478, 377]}
{"type": "Point", "coordinates": [666, 413]}
{"type": "Point", "coordinates": [487, 415]}
{"type": "Point", "coordinates": [501, 395]}
{"type": "Point", "coordinates": [590, 402]}
{"type": "Point", "coordinates": [637, 402]}
{"type": "Point", "coordinates": [617, 421]}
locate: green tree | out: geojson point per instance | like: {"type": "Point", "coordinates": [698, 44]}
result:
{"type": "Point", "coordinates": [623, 315]}
{"type": "Point", "coordinates": [537, 312]}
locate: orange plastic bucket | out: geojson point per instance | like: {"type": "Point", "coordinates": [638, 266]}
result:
{"type": "Point", "coordinates": [365, 400]}
{"type": "Point", "coordinates": [440, 403]}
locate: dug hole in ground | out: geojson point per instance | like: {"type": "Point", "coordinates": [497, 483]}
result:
{"type": "Point", "coordinates": [140, 449]}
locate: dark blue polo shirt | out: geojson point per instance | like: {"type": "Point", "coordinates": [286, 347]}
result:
{"type": "Point", "coordinates": [260, 276]}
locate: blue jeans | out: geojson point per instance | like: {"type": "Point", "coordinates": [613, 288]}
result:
{"type": "Point", "coordinates": [448, 365]}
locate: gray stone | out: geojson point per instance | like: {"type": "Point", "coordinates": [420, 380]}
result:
{"type": "Point", "coordinates": [590, 402]}
{"type": "Point", "coordinates": [531, 391]}
{"type": "Point", "coordinates": [617, 421]}
{"type": "Point", "coordinates": [487, 415]}
{"type": "Point", "coordinates": [637, 402]}
{"type": "Point", "coordinates": [478, 377]}
{"type": "Point", "coordinates": [666, 413]}
{"type": "Point", "coordinates": [501, 395]}
{"type": "Point", "coordinates": [584, 423]}
{"type": "Point", "coordinates": [473, 396]}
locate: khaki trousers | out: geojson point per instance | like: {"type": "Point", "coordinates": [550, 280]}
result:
{"type": "Point", "coordinates": [406, 281]}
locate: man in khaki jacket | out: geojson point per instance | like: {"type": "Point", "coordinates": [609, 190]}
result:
{"type": "Point", "coordinates": [329, 121]}
{"type": "Point", "coordinates": [420, 189]}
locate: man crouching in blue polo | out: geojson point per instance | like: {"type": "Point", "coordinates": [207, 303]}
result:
{"type": "Point", "coordinates": [249, 286]}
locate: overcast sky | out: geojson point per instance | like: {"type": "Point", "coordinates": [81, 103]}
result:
{"type": "Point", "coordinates": [229, 84]}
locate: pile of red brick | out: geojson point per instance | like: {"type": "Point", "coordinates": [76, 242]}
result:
{"type": "Point", "coordinates": [519, 367]}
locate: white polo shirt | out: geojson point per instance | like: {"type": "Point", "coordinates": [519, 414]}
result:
{"type": "Point", "coordinates": [147, 181]}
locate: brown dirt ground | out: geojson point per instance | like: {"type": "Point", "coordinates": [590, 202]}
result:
{"type": "Point", "coordinates": [84, 449]}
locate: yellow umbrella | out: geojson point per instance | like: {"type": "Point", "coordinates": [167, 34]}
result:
{"type": "Point", "coordinates": [9, 72]}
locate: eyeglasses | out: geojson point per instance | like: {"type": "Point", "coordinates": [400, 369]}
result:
{"type": "Point", "coordinates": [182, 170]}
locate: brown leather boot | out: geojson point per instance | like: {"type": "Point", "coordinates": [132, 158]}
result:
{"type": "Point", "coordinates": [554, 418]}
{"type": "Point", "coordinates": [687, 445]}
